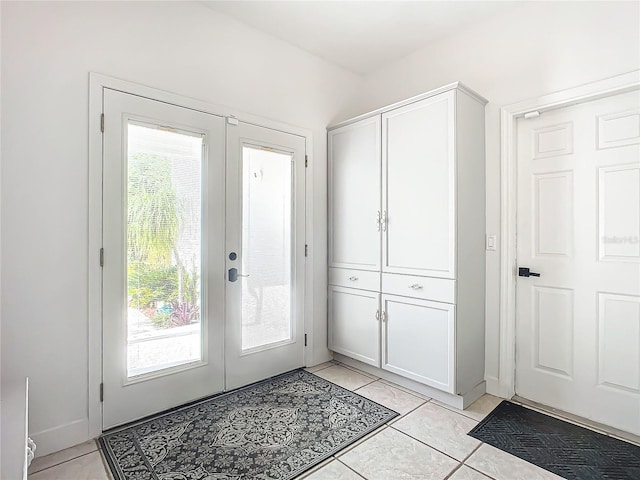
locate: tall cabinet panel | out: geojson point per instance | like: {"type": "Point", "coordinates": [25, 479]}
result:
{"type": "Point", "coordinates": [419, 212]}
{"type": "Point", "coordinates": [419, 188]}
{"type": "Point", "coordinates": [354, 195]}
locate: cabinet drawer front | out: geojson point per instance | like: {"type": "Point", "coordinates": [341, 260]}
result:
{"type": "Point", "coordinates": [419, 340]}
{"type": "Point", "coordinates": [354, 325]}
{"type": "Point", "coordinates": [427, 288]}
{"type": "Point", "coordinates": [344, 277]}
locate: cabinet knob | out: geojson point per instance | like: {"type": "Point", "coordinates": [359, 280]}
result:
{"type": "Point", "coordinates": [353, 279]}
{"type": "Point", "coordinates": [416, 286]}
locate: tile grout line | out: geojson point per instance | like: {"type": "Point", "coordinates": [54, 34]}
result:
{"type": "Point", "coordinates": [354, 471]}
{"type": "Point", "coordinates": [472, 452]}
{"type": "Point", "coordinates": [400, 417]}
{"type": "Point", "coordinates": [353, 369]}
{"type": "Point", "coordinates": [320, 369]}
{"type": "Point", "coordinates": [426, 444]}
{"type": "Point", "coordinates": [407, 390]}
{"type": "Point", "coordinates": [413, 393]}
{"type": "Point", "coordinates": [458, 411]}
{"type": "Point", "coordinates": [63, 462]}
{"type": "Point", "coordinates": [360, 441]}
{"type": "Point", "coordinates": [354, 391]}
{"type": "Point", "coordinates": [479, 471]}
{"type": "Point", "coordinates": [452, 472]}
{"type": "Point", "coordinates": [472, 468]}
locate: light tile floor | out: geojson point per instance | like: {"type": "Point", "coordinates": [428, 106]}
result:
{"type": "Point", "coordinates": [427, 442]}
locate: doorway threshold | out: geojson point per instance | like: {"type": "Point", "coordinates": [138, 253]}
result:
{"type": "Point", "coordinates": [577, 420]}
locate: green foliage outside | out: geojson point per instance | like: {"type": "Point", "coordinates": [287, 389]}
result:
{"type": "Point", "coordinates": [154, 211]}
{"type": "Point", "coordinates": [155, 271]}
{"type": "Point", "coordinates": [149, 284]}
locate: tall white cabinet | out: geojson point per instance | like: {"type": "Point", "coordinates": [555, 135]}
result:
{"type": "Point", "coordinates": [406, 242]}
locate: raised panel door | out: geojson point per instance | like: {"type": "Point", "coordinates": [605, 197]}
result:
{"type": "Point", "coordinates": [418, 194]}
{"type": "Point", "coordinates": [578, 323]}
{"type": "Point", "coordinates": [354, 195]}
{"type": "Point", "coordinates": [354, 326]}
{"type": "Point", "coordinates": [418, 340]}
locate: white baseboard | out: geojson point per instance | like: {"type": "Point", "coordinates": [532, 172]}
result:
{"type": "Point", "coordinates": [493, 386]}
{"type": "Point", "coordinates": [61, 437]}
{"type": "Point", "coordinates": [456, 401]}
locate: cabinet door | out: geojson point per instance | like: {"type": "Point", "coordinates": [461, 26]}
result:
{"type": "Point", "coordinates": [419, 188]}
{"type": "Point", "coordinates": [354, 326]}
{"type": "Point", "coordinates": [418, 340]}
{"type": "Point", "coordinates": [354, 195]}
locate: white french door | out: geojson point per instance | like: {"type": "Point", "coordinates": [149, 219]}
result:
{"type": "Point", "coordinates": [265, 252]}
{"type": "Point", "coordinates": [182, 191]}
{"type": "Point", "coordinates": [163, 240]}
{"type": "Point", "coordinates": [578, 293]}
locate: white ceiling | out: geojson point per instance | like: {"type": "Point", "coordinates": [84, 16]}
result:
{"type": "Point", "coordinates": [360, 36]}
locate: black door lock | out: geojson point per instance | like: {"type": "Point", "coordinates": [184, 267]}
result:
{"type": "Point", "coordinates": [233, 274]}
{"type": "Point", "coordinates": [525, 272]}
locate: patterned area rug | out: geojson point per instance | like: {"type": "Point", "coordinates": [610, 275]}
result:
{"type": "Point", "coordinates": [272, 430]}
{"type": "Point", "coordinates": [560, 447]}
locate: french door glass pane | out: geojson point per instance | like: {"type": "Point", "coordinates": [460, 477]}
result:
{"type": "Point", "coordinates": [266, 247]}
{"type": "Point", "coordinates": [164, 226]}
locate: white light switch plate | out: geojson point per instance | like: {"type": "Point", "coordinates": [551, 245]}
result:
{"type": "Point", "coordinates": [491, 242]}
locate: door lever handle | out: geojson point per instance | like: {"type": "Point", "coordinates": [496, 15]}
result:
{"type": "Point", "coordinates": [233, 274]}
{"type": "Point", "coordinates": [525, 272]}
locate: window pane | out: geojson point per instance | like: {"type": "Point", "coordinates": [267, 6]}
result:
{"type": "Point", "coordinates": [163, 248]}
{"type": "Point", "coordinates": [266, 247]}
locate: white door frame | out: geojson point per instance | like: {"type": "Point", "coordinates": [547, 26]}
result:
{"type": "Point", "coordinates": [97, 83]}
{"type": "Point", "coordinates": [504, 385]}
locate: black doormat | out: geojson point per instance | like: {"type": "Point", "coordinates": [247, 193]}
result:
{"type": "Point", "coordinates": [560, 447]}
{"type": "Point", "coordinates": [274, 429]}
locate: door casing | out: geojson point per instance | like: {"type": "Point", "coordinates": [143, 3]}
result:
{"type": "Point", "coordinates": [504, 384]}
{"type": "Point", "coordinates": [97, 84]}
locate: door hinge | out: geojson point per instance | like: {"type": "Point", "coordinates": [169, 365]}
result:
{"type": "Point", "coordinates": [102, 392]}
{"type": "Point", "coordinates": [305, 339]}
{"type": "Point", "coordinates": [533, 114]}
{"type": "Point", "coordinates": [306, 161]}
{"type": "Point", "coordinates": [102, 257]}
{"type": "Point", "coordinates": [306, 250]}
{"type": "Point", "coordinates": [102, 122]}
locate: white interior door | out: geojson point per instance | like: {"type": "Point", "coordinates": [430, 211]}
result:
{"type": "Point", "coordinates": [264, 254]}
{"type": "Point", "coordinates": [163, 275]}
{"type": "Point", "coordinates": [578, 323]}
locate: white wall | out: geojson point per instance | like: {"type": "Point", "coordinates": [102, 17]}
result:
{"type": "Point", "coordinates": [534, 49]}
{"type": "Point", "coordinates": [1, 395]}
{"type": "Point", "coordinates": [48, 49]}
